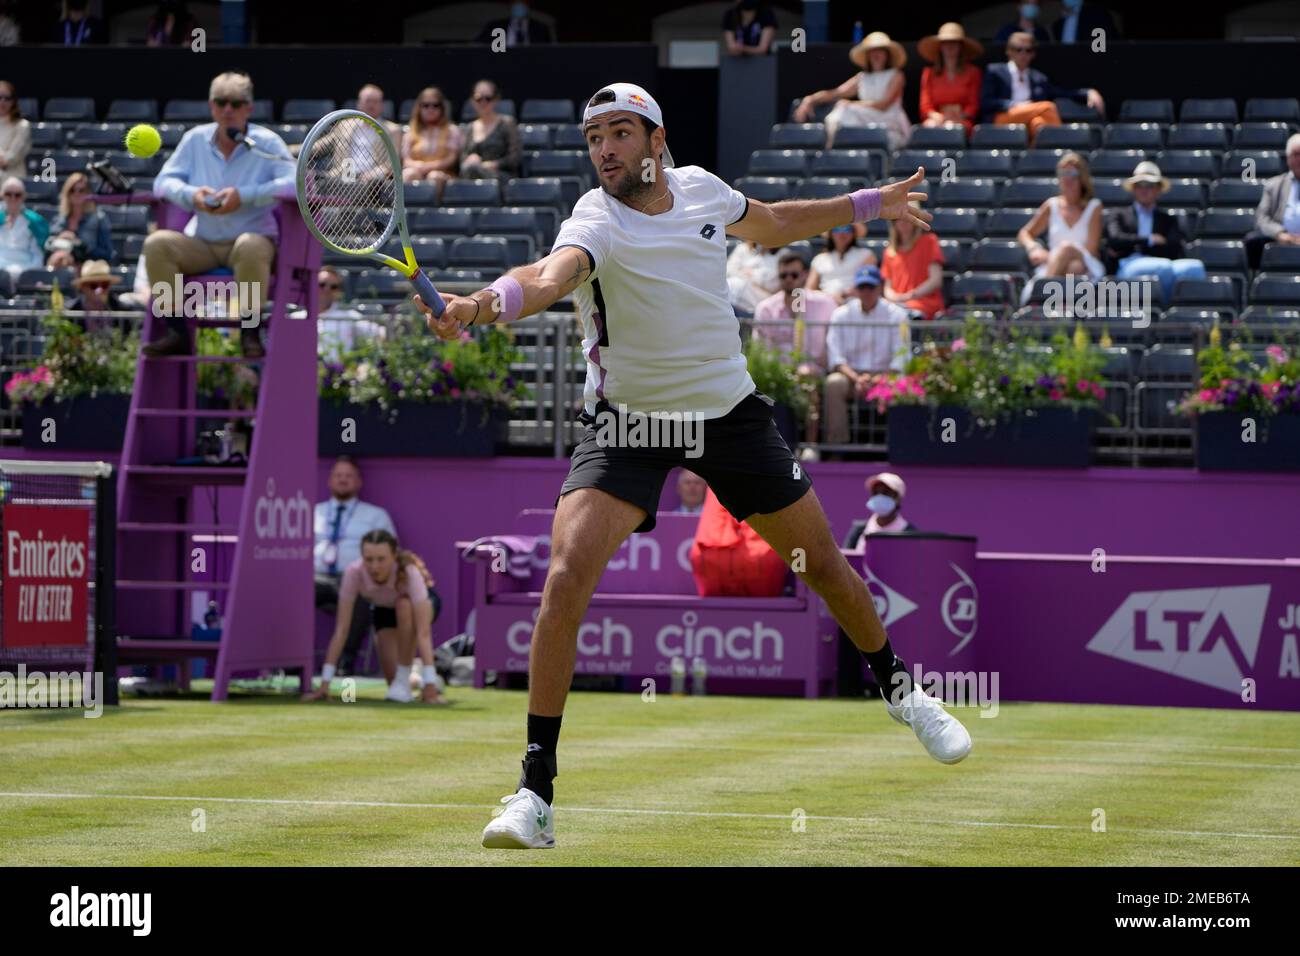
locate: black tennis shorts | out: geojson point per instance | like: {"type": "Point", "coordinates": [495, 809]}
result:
{"type": "Point", "coordinates": [382, 617]}
{"type": "Point", "coordinates": [742, 456]}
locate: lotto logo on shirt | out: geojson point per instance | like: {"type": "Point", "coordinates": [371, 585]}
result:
{"type": "Point", "coordinates": [46, 575]}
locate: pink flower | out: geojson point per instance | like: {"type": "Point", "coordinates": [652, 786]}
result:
{"type": "Point", "coordinates": [1098, 391]}
{"type": "Point", "coordinates": [455, 393]}
{"type": "Point", "coordinates": [1207, 395]}
{"type": "Point", "coordinates": [958, 344]}
{"type": "Point", "coordinates": [448, 367]}
{"type": "Point", "coordinates": [1276, 353]}
{"type": "Point", "coordinates": [1056, 395]}
{"type": "Point", "coordinates": [1082, 386]}
{"type": "Point", "coordinates": [1270, 388]}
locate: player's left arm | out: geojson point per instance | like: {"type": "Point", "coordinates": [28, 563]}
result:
{"type": "Point", "coordinates": [781, 223]}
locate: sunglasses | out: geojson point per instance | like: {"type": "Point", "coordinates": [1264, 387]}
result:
{"type": "Point", "coordinates": [430, 106]}
{"type": "Point", "coordinates": [6, 97]}
{"type": "Point", "coordinates": [97, 286]}
{"type": "Point", "coordinates": [14, 195]}
{"type": "Point", "coordinates": [332, 286]}
{"type": "Point", "coordinates": [224, 101]}
{"type": "Point", "coordinates": [1021, 49]}
{"type": "Point", "coordinates": [484, 99]}
{"type": "Point", "coordinates": [1068, 173]}
{"type": "Point", "coordinates": [791, 275]}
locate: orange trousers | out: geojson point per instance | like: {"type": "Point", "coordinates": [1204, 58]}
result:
{"type": "Point", "coordinates": [1034, 115]}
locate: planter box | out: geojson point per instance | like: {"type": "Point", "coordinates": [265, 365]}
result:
{"type": "Point", "coordinates": [1219, 446]}
{"type": "Point", "coordinates": [80, 424]}
{"type": "Point", "coordinates": [1048, 438]}
{"type": "Point", "coordinates": [451, 430]}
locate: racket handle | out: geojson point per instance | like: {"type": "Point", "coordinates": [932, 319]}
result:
{"type": "Point", "coordinates": [428, 293]}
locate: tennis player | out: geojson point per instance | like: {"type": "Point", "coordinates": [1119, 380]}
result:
{"type": "Point", "coordinates": [393, 581]}
{"type": "Point", "coordinates": [644, 256]}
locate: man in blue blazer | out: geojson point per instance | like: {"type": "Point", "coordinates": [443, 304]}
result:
{"type": "Point", "coordinates": [1012, 92]}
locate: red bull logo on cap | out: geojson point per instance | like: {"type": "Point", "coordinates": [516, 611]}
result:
{"type": "Point", "coordinates": [636, 99]}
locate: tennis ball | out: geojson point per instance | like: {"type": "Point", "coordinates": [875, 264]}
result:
{"type": "Point", "coordinates": [143, 140]}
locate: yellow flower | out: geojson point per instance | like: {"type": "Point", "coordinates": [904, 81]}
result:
{"type": "Point", "coordinates": [1215, 335]}
{"type": "Point", "coordinates": [1105, 338]}
{"type": "Point", "coordinates": [1080, 337]}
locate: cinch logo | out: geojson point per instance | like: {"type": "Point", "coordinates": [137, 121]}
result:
{"type": "Point", "coordinates": [735, 644]}
{"type": "Point", "coordinates": [282, 517]}
{"type": "Point", "coordinates": [1206, 635]}
{"type": "Point", "coordinates": [890, 605]}
{"type": "Point", "coordinates": [960, 606]}
{"type": "Point", "coordinates": [606, 639]}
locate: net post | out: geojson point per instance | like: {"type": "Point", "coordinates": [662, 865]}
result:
{"type": "Point", "coordinates": [105, 661]}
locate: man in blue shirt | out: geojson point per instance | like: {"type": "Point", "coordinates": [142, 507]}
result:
{"type": "Point", "coordinates": [223, 170]}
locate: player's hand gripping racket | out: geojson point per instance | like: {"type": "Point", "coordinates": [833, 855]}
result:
{"type": "Point", "coordinates": [350, 193]}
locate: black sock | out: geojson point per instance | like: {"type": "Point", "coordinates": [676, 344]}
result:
{"type": "Point", "coordinates": [539, 766]}
{"type": "Point", "coordinates": [890, 673]}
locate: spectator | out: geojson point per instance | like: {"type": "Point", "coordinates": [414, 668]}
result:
{"type": "Point", "coordinates": [751, 275]}
{"type": "Point", "coordinates": [878, 88]}
{"type": "Point", "coordinates": [1277, 217]}
{"type": "Point", "coordinates": [1080, 19]}
{"type": "Point", "coordinates": [1073, 221]}
{"type": "Point", "coordinates": [22, 231]}
{"type": "Point", "coordinates": [1027, 22]}
{"type": "Point", "coordinates": [80, 231]}
{"type": "Point", "coordinates": [370, 100]}
{"type": "Point", "coordinates": [338, 328]}
{"type": "Point", "coordinates": [833, 270]}
{"type": "Point", "coordinates": [172, 24]}
{"type": "Point", "coordinates": [15, 134]}
{"type": "Point", "coordinates": [432, 144]}
{"type": "Point", "coordinates": [886, 506]}
{"type": "Point", "coordinates": [1014, 93]}
{"type": "Point", "coordinates": [340, 524]}
{"type": "Point", "coordinates": [1142, 240]}
{"type": "Point", "coordinates": [950, 90]}
{"type": "Point", "coordinates": [10, 34]}
{"type": "Point", "coordinates": [232, 190]}
{"type": "Point", "coordinates": [491, 142]}
{"type": "Point", "coordinates": [691, 489]}
{"type": "Point", "coordinates": [521, 29]}
{"type": "Point", "coordinates": [77, 27]}
{"type": "Point", "coordinates": [797, 319]}
{"type": "Point", "coordinates": [95, 293]}
{"type": "Point", "coordinates": [390, 583]}
{"type": "Point", "coordinates": [748, 28]}
{"type": "Point", "coordinates": [855, 351]}
{"type": "Point", "coordinates": [913, 268]}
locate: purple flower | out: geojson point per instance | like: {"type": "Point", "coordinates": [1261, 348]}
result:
{"type": "Point", "coordinates": [1004, 379]}
{"type": "Point", "coordinates": [1046, 381]}
{"type": "Point", "coordinates": [510, 383]}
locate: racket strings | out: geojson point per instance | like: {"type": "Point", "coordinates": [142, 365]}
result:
{"type": "Point", "coordinates": [351, 185]}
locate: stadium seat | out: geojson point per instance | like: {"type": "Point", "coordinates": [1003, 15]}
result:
{"type": "Point", "coordinates": [126, 218]}
{"type": "Point", "coordinates": [420, 194]}
{"type": "Point", "coordinates": [380, 284]}
{"type": "Point", "coordinates": [1262, 162]}
{"type": "Point", "coordinates": [476, 252]}
{"type": "Point", "coordinates": [765, 188]}
{"type": "Point", "coordinates": [130, 248]}
{"type": "Point", "coordinates": [534, 192]}
{"type": "Point", "coordinates": [1218, 255]}
{"type": "Point", "coordinates": [1039, 162]}
{"type": "Point", "coordinates": [986, 162]}
{"type": "Point", "coordinates": [1005, 223]}
{"type": "Point", "coordinates": [797, 136]}
{"type": "Point", "coordinates": [1013, 136]}
{"type": "Point", "coordinates": [171, 134]}
{"type": "Point", "coordinates": [947, 138]}
{"type": "Point", "coordinates": [504, 107]}
{"type": "Point", "coordinates": [1074, 112]}
{"type": "Point", "coordinates": [98, 136]}
{"type": "Point", "coordinates": [854, 163]}
{"type": "Point", "coordinates": [1260, 136]}
{"type": "Point", "coordinates": [263, 112]}
{"type": "Point", "coordinates": [1166, 364]}
{"type": "Point", "coordinates": [1262, 110]}
{"type": "Point", "coordinates": [1280, 258]}
{"type": "Point", "coordinates": [48, 136]}
{"type": "Point", "coordinates": [42, 191]}
{"type": "Point", "coordinates": [1225, 223]}
{"type": "Point", "coordinates": [1213, 291]}
{"type": "Point", "coordinates": [1044, 286]}
{"type": "Point", "coordinates": [569, 136]}
{"type": "Point", "coordinates": [778, 162]}
{"type": "Point", "coordinates": [42, 280]}
{"type": "Point", "coordinates": [471, 192]}
{"type": "Point", "coordinates": [292, 133]}
{"type": "Point", "coordinates": [509, 221]}
{"type": "Point", "coordinates": [1075, 136]}
{"type": "Point", "coordinates": [534, 136]}
{"type": "Point", "coordinates": [187, 111]}
{"type": "Point", "coordinates": [956, 253]}
{"type": "Point", "coordinates": [823, 187]}
{"type": "Point", "coordinates": [1184, 194]}
{"type": "Point", "coordinates": [1147, 111]}
{"type": "Point", "coordinates": [439, 221]}
{"type": "Point", "coordinates": [1236, 192]}
{"type": "Point", "coordinates": [1194, 163]}
{"type": "Point", "coordinates": [555, 163]}
{"type": "Point", "coordinates": [1198, 136]}
{"type": "Point", "coordinates": [29, 108]}
{"type": "Point", "coordinates": [861, 137]}
{"type": "Point", "coordinates": [133, 111]}
{"type": "Point", "coordinates": [1144, 136]}
{"type": "Point", "coordinates": [547, 111]}
{"type": "Point", "coordinates": [388, 111]}
{"type": "Point", "coordinates": [1111, 192]}
{"type": "Point", "coordinates": [305, 110]}
{"type": "Point", "coordinates": [999, 255]}
{"type": "Point", "coordinates": [956, 223]}
{"type": "Point", "coordinates": [1208, 111]}
{"type": "Point", "coordinates": [1276, 289]}
{"type": "Point", "coordinates": [70, 109]}
{"type": "Point", "coordinates": [1115, 162]}
{"type": "Point", "coordinates": [1260, 317]}
{"type": "Point", "coordinates": [1028, 192]}
{"type": "Point", "coordinates": [905, 162]}
{"type": "Point", "coordinates": [6, 288]}
{"type": "Point", "coordinates": [979, 193]}
{"type": "Point", "coordinates": [975, 288]}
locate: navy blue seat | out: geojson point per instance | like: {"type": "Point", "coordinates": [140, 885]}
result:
{"type": "Point", "coordinates": [472, 192]}
{"type": "Point", "coordinates": [988, 136]}
{"type": "Point", "coordinates": [778, 162]}
{"type": "Point", "coordinates": [1190, 163]}
{"type": "Point", "coordinates": [547, 111]}
{"type": "Point", "coordinates": [1276, 289]}
{"type": "Point", "coordinates": [1260, 136]}
{"type": "Point", "coordinates": [1029, 192]}
{"type": "Point", "coordinates": [1146, 111]}
{"type": "Point", "coordinates": [1039, 162]}
{"type": "Point", "coordinates": [765, 188]}
{"type": "Point", "coordinates": [1005, 223]}
{"type": "Point", "coordinates": [986, 162]}
{"type": "Point", "coordinates": [861, 137]}
{"type": "Point", "coordinates": [1236, 192]}
{"type": "Point", "coordinates": [946, 138]}
{"type": "Point", "coordinates": [305, 110]}
{"type": "Point", "coordinates": [1208, 111]}
{"type": "Point", "coordinates": [1144, 136]}
{"type": "Point", "coordinates": [854, 163]}
{"type": "Point", "coordinates": [1198, 136]}
{"type": "Point", "coordinates": [1075, 136]}
{"type": "Point", "coordinates": [956, 223]}
{"type": "Point", "coordinates": [1266, 110]}
{"type": "Point", "coordinates": [968, 192]}
{"type": "Point", "coordinates": [797, 136]}
{"type": "Point", "coordinates": [1225, 223]}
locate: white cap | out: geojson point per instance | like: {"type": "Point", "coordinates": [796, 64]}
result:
{"type": "Point", "coordinates": [634, 99]}
{"type": "Point", "coordinates": [890, 481]}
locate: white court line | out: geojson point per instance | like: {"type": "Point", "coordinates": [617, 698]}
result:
{"type": "Point", "coordinates": [713, 814]}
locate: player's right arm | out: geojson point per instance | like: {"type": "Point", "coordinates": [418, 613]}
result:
{"type": "Point", "coordinates": [543, 283]}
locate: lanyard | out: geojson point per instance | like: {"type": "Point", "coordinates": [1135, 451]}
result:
{"type": "Point", "coordinates": [67, 33]}
{"type": "Point", "coordinates": [343, 521]}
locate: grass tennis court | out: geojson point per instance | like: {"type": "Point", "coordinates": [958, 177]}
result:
{"type": "Point", "coordinates": [713, 780]}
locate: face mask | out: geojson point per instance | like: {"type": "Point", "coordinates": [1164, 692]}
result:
{"type": "Point", "coordinates": [880, 504]}
{"type": "Point", "coordinates": [1029, 10]}
{"type": "Point", "coordinates": [1072, 4]}
{"type": "Point", "coordinates": [518, 10]}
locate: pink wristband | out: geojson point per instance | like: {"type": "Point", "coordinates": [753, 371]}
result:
{"type": "Point", "coordinates": [866, 204]}
{"type": "Point", "coordinates": [510, 295]}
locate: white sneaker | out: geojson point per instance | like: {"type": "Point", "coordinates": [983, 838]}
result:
{"type": "Point", "coordinates": [942, 734]}
{"type": "Point", "coordinates": [526, 823]}
{"type": "Point", "coordinates": [808, 453]}
{"type": "Point", "coordinates": [400, 692]}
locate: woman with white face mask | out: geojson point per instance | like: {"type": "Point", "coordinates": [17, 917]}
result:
{"type": "Point", "coordinates": [885, 503]}
{"type": "Point", "coordinates": [1026, 22]}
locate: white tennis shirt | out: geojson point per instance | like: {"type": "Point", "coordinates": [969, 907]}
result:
{"type": "Point", "coordinates": [659, 332]}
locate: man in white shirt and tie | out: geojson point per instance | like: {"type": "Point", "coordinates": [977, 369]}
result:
{"type": "Point", "coordinates": [340, 524]}
{"type": "Point", "coordinates": [855, 351]}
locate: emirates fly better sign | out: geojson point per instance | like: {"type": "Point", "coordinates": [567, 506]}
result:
{"type": "Point", "coordinates": [46, 575]}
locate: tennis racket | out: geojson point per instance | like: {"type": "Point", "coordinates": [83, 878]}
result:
{"type": "Point", "coordinates": [350, 194]}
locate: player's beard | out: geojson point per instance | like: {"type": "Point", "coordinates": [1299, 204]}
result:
{"type": "Point", "coordinates": [630, 187]}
